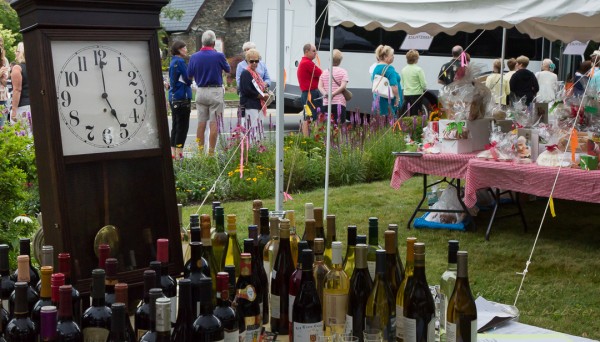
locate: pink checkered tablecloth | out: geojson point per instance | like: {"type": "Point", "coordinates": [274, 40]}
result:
{"type": "Point", "coordinates": [443, 164]}
{"type": "Point", "coordinates": [572, 184]}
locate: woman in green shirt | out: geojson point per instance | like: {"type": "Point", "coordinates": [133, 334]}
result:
{"type": "Point", "coordinates": [413, 83]}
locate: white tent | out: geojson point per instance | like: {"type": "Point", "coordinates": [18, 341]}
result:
{"type": "Point", "coordinates": [565, 20]}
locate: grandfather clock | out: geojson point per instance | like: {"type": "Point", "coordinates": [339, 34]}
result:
{"type": "Point", "coordinates": [100, 130]}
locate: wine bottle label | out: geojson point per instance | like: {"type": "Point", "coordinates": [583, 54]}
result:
{"type": "Point", "coordinates": [94, 334]}
{"type": "Point", "coordinates": [450, 332]}
{"type": "Point", "coordinates": [275, 306]}
{"type": "Point", "coordinates": [267, 266]}
{"type": "Point", "coordinates": [443, 309]}
{"type": "Point", "coordinates": [140, 333]}
{"type": "Point", "coordinates": [232, 336]}
{"type": "Point", "coordinates": [348, 329]}
{"type": "Point", "coordinates": [5, 304]}
{"type": "Point", "coordinates": [399, 322]}
{"type": "Point", "coordinates": [371, 267]}
{"type": "Point", "coordinates": [307, 331]}
{"type": "Point", "coordinates": [291, 300]}
{"type": "Point", "coordinates": [273, 274]}
{"type": "Point", "coordinates": [253, 327]}
{"type": "Point", "coordinates": [248, 293]}
{"type": "Point", "coordinates": [336, 307]}
{"type": "Point", "coordinates": [412, 335]}
{"type": "Point", "coordinates": [173, 310]}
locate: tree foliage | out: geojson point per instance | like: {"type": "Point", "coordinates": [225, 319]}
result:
{"type": "Point", "coordinates": [9, 29]}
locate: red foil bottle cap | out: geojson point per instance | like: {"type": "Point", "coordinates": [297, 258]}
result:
{"type": "Point", "coordinates": [56, 281]}
{"type": "Point", "coordinates": [162, 250]}
{"type": "Point", "coordinates": [64, 263]}
{"type": "Point", "coordinates": [223, 285]}
{"type": "Point", "coordinates": [103, 253]}
{"type": "Point", "coordinates": [111, 267]}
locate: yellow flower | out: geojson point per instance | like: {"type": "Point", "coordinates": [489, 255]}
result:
{"type": "Point", "coordinates": [230, 173]}
{"type": "Point", "coordinates": [203, 189]}
{"type": "Point", "coordinates": [303, 142]}
{"type": "Point", "coordinates": [254, 179]}
{"type": "Point", "coordinates": [248, 179]}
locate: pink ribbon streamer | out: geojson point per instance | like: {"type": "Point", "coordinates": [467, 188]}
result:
{"type": "Point", "coordinates": [287, 197]}
{"type": "Point", "coordinates": [463, 59]}
{"type": "Point", "coordinates": [242, 157]}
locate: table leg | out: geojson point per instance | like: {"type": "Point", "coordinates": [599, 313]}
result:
{"type": "Point", "coordinates": [496, 204]}
{"type": "Point", "coordinates": [412, 217]}
{"type": "Point", "coordinates": [518, 201]}
{"type": "Point", "coordinates": [462, 204]}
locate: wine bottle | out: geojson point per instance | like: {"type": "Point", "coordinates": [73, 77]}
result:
{"type": "Point", "coordinates": [330, 238]}
{"type": "Point", "coordinates": [294, 287]}
{"type": "Point", "coordinates": [419, 308]}
{"type": "Point", "coordinates": [111, 266]}
{"type": "Point", "coordinates": [185, 317]}
{"type": "Point", "coordinates": [207, 250]}
{"type": "Point", "coordinates": [373, 245]}
{"type": "Point", "coordinates": [64, 267]}
{"type": "Point", "coordinates": [361, 239]}
{"type": "Point", "coordinates": [280, 282]}
{"type": "Point", "coordinates": [21, 327]}
{"type": "Point", "coordinates": [219, 238]}
{"type": "Point", "coordinates": [230, 269]}
{"type": "Point", "coordinates": [224, 312]}
{"type": "Point", "coordinates": [310, 232]}
{"type": "Point", "coordinates": [48, 322]}
{"type": "Point", "coordinates": [308, 312]}
{"type": "Point", "coordinates": [319, 226]}
{"type": "Point", "coordinates": [335, 290]}
{"type": "Point", "coordinates": [151, 334]}
{"type": "Point", "coordinates": [447, 285]}
{"type": "Point", "coordinates": [46, 259]}
{"type": "Point", "coordinates": [118, 324]}
{"type": "Point", "coordinates": [25, 249]}
{"type": "Point", "coordinates": [320, 270]}
{"type": "Point", "coordinates": [294, 238]}
{"type": "Point", "coordinates": [261, 287]}
{"type": "Point", "coordinates": [393, 274]}
{"type": "Point", "coordinates": [7, 285]}
{"type": "Point", "coordinates": [67, 329]}
{"type": "Point", "coordinates": [196, 275]}
{"type": "Point", "coordinates": [231, 253]}
{"type": "Point", "coordinates": [264, 236]}
{"type": "Point", "coordinates": [410, 265]}
{"type": "Point", "coordinates": [272, 247]}
{"type": "Point", "coordinates": [215, 205]}
{"type": "Point", "coordinates": [122, 296]}
{"type": "Point", "coordinates": [207, 327]}
{"type": "Point", "coordinates": [23, 276]}
{"type": "Point", "coordinates": [309, 214]}
{"type": "Point", "coordinates": [167, 283]}
{"type": "Point", "coordinates": [103, 254]}
{"type": "Point", "coordinates": [256, 205]}
{"type": "Point", "coordinates": [56, 281]}
{"type": "Point", "coordinates": [361, 285]}
{"type": "Point", "coordinates": [194, 237]}
{"type": "Point", "coordinates": [3, 322]}
{"type": "Point", "coordinates": [96, 319]}
{"type": "Point", "coordinates": [163, 319]}
{"type": "Point", "coordinates": [462, 312]}
{"type": "Point", "coordinates": [257, 268]}
{"type": "Point", "coordinates": [45, 298]}
{"type": "Point", "coordinates": [381, 307]}
{"type": "Point", "coordinates": [394, 227]}
{"type": "Point", "coordinates": [248, 308]}
{"type": "Point", "coordinates": [142, 314]}
{"type": "Point", "coordinates": [349, 259]}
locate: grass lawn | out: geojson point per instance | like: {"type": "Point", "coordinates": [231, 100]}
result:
{"type": "Point", "coordinates": [560, 291]}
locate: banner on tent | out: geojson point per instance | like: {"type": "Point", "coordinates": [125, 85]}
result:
{"type": "Point", "coordinates": [576, 48]}
{"type": "Point", "coordinates": [419, 41]}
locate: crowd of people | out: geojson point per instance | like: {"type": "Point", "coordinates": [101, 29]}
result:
{"type": "Point", "coordinates": [14, 88]}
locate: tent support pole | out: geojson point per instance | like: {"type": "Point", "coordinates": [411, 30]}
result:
{"type": "Point", "coordinates": [329, 118]}
{"type": "Point", "coordinates": [502, 64]}
{"type": "Point", "coordinates": [279, 122]}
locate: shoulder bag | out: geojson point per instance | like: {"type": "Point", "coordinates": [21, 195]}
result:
{"type": "Point", "coordinates": [347, 93]}
{"type": "Point", "coordinates": [381, 84]}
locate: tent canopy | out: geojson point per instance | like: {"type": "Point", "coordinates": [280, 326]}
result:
{"type": "Point", "coordinates": [565, 20]}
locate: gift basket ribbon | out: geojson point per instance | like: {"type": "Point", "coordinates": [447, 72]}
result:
{"type": "Point", "coordinates": [455, 126]}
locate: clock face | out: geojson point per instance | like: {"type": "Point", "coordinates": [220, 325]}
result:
{"type": "Point", "coordinates": [105, 96]}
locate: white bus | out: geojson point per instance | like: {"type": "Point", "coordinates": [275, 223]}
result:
{"type": "Point", "coordinates": [306, 22]}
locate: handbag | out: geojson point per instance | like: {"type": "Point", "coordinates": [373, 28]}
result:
{"type": "Point", "coordinates": [381, 85]}
{"type": "Point", "coordinates": [271, 97]}
{"type": "Point", "coordinates": [347, 93]}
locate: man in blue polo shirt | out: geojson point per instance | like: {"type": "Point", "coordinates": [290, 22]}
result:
{"type": "Point", "coordinates": [206, 69]}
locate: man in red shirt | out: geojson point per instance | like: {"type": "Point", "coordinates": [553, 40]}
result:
{"type": "Point", "coordinates": [308, 79]}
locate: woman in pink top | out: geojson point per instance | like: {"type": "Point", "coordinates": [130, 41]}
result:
{"type": "Point", "coordinates": [340, 81]}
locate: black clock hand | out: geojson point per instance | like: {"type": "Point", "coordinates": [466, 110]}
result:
{"type": "Point", "coordinates": [105, 95]}
{"type": "Point", "coordinates": [102, 72]}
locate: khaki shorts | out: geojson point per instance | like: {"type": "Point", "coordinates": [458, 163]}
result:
{"type": "Point", "coordinates": [209, 103]}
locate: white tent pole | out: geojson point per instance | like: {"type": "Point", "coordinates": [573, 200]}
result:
{"type": "Point", "coordinates": [543, 45]}
{"type": "Point", "coordinates": [502, 63]}
{"type": "Point", "coordinates": [329, 91]}
{"type": "Point", "coordinates": [279, 121]}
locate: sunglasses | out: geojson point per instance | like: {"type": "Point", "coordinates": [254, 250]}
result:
{"type": "Point", "coordinates": [253, 61]}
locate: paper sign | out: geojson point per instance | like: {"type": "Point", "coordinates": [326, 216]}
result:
{"type": "Point", "coordinates": [419, 41]}
{"type": "Point", "coordinates": [523, 337]}
{"type": "Point", "coordinates": [575, 48]}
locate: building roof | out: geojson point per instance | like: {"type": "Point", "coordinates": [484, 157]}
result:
{"type": "Point", "coordinates": [239, 9]}
{"type": "Point", "coordinates": [190, 9]}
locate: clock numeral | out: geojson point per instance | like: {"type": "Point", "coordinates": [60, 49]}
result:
{"type": "Point", "coordinates": [99, 56]}
{"type": "Point", "coordinates": [139, 99]}
{"type": "Point", "coordinates": [124, 134]}
{"type": "Point", "coordinates": [71, 78]}
{"type": "Point", "coordinates": [66, 98]}
{"type": "Point", "coordinates": [107, 136]}
{"type": "Point", "coordinates": [90, 136]}
{"type": "Point", "coordinates": [74, 115]}
{"type": "Point", "coordinates": [82, 63]}
{"type": "Point", "coordinates": [134, 116]}
{"type": "Point", "coordinates": [133, 75]}
{"type": "Point", "coordinates": [119, 63]}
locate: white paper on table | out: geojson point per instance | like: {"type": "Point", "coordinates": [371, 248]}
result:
{"type": "Point", "coordinates": [488, 312]}
{"type": "Point", "coordinates": [555, 337]}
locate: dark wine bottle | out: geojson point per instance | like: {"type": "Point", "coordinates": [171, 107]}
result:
{"type": "Point", "coordinates": [393, 274]}
{"type": "Point", "coordinates": [320, 270]}
{"type": "Point", "coordinates": [373, 245]}
{"type": "Point", "coordinates": [207, 250]}
{"type": "Point", "coordinates": [103, 254]}
{"type": "Point", "coordinates": [48, 320]}
{"type": "Point", "coordinates": [142, 314]}
{"type": "Point", "coordinates": [361, 285]}
{"type": "Point", "coordinates": [166, 283]}
{"type": "Point", "coordinates": [64, 267]}
{"type": "Point", "coordinates": [380, 312]}
{"type": "Point", "coordinates": [118, 324]}
{"type": "Point", "coordinates": [248, 308]}
{"type": "Point", "coordinates": [361, 239]}
{"type": "Point", "coordinates": [264, 234]}
{"type": "Point", "coordinates": [462, 312]}
{"type": "Point", "coordinates": [309, 214]}
{"type": "Point", "coordinates": [56, 281]}
{"type": "Point", "coordinates": [230, 269]}
{"type": "Point", "coordinates": [219, 238]}
{"type": "Point", "coordinates": [256, 205]}
{"type": "Point", "coordinates": [307, 312]}
{"type": "Point", "coordinates": [23, 274]}
{"type": "Point", "coordinates": [45, 295]}
{"type": "Point", "coordinates": [195, 236]}
{"type": "Point", "coordinates": [151, 334]}
{"type": "Point", "coordinates": [122, 296]}
{"type": "Point", "coordinates": [25, 249]}
{"type": "Point", "coordinates": [260, 285]}
{"type": "Point", "coordinates": [295, 280]}
{"type": "Point", "coordinates": [207, 327]}
{"type": "Point", "coordinates": [3, 323]}
{"type": "Point", "coordinates": [46, 259]}
{"type": "Point", "coordinates": [224, 312]}
{"type": "Point", "coordinates": [394, 227]}
{"type": "Point", "coordinates": [419, 308]}
{"type": "Point", "coordinates": [310, 232]}
{"type": "Point", "coordinates": [96, 319]}
{"type": "Point", "coordinates": [7, 285]}
{"type": "Point", "coordinates": [183, 327]}
{"type": "Point", "coordinates": [196, 275]}
{"type": "Point", "coordinates": [111, 265]}
{"type": "Point", "coordinates": [67, 329]}
{"type": "Point", "coordinates": [349, 257]}
{"type": "Point", "coordinates": [259, 270]}
{"type": "Point", "coordinates": [329, 239]}
{"type": "Point", "coordinates": [319, 226]}
{"type": "Point", "coordinates": [163, 320]}
{"type": "Point", "coordinates": [280, 282]}
{"type": "Point", "coordinates": [21, 327]}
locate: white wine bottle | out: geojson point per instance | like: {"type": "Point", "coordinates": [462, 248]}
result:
{"type": "Point", "coordinates": [380, 312]}
{"type": "Point", "coordinates": [410, 266]}
{"type": "Point", "coordinates": [447, 285]}
{"type": "Point", "coordinates": [335, 290]}
{"type": "Point", "coordinates": [462, 312]}
{"type": "Point", "coordinates": [419, 308]}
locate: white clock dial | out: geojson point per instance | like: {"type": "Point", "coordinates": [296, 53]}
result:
{"type": "Point", "coordinates": [105, 96]}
